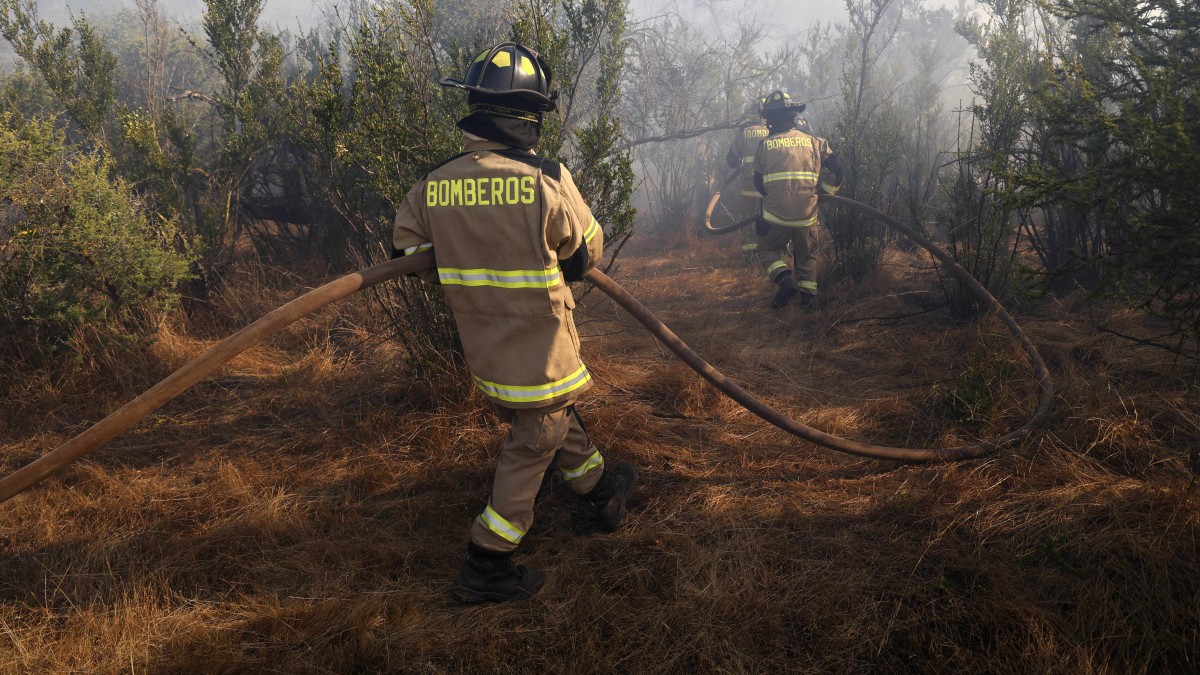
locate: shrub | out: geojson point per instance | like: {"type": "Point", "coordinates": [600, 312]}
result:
{"type": "Point", "coordinates": [76, 246]}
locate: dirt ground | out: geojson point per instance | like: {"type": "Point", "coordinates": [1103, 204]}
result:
{"type": "Point", "coordinates": [305, 510]}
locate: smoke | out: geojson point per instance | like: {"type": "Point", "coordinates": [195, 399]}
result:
{"type": "Point", "coordinates": [284, 13]}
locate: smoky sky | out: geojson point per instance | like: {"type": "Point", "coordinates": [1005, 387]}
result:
{"type": "Point", "coordinates": [783, 17]}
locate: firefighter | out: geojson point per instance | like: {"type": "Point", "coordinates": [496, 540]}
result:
{"type": "Point", "coordinates": [741, 155]}
{"type": "Point", "coordinates": [788, 172]}
{"type": "Point", "coordinates": [509, 230]}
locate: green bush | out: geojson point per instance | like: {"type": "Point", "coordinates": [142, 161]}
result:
{"type": "Point", "coordinates": [76, 247]}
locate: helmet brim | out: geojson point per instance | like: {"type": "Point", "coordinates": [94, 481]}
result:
{"type": "Point", "coordinates": [527, 94]}
{"type": "Point", "coordinates": [790, 109]}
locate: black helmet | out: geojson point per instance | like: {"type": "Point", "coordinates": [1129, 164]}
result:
{"type": "Point", "coordinates": [511, 71]}
{"type": "Point", "coordinates": [779, 103]}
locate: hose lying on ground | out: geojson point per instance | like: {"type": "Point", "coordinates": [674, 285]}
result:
{"type": "Point", "coordinates": [216, 356]}
{"type": "Point", "coordinates": [1045, 384]}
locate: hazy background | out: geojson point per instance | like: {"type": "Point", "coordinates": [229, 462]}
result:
{"type": "Point", "coordinates": [786, 17]}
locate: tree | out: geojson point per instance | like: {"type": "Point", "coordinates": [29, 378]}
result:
{"type": "Point", "coordinates": [74, 62]}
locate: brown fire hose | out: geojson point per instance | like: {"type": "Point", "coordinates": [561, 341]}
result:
{"type": "Point", "coordinates": [712, 204]}
{"type": "Point", "coordinates": [1045, 384]}
{"type": "Point", "coordinates": [197, 369]}
{"type": "Point", "coordinates": [216, 356]}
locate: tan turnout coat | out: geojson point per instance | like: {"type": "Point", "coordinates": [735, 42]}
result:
{"type": "Point", "coordinates": [499, 220]}
{"type": "Point", "coordinates": [745, 142]}
{"type": "Point", "coordinates": [790, 165]}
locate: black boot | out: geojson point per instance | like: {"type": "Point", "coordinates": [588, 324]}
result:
{"type": "Point", "coordinates": [807, 300]}
{"type": "Point", "coordinates": [492, 576]}
{"type": "Point", "coordinates": [611, 493]}
{"type": "Point", "coordinates": [787, 289]}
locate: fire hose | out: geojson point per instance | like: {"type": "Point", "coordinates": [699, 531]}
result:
{"type": "Point", "coordinates": [92, 438]}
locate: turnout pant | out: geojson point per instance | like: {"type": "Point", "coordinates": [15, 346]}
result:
{"type": "Point", "coordinates": [535, 435]}
{"type": "Point", "coordinates": [748, 207]}
{"type": "Point", "coordinates": [773, 254]}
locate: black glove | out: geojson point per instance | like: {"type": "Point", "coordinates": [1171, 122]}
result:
{"type": "Point", "coordinates": [760, 227]}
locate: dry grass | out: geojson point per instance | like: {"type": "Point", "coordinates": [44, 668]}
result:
{"type": "Point", "coordinates": [305, 510]}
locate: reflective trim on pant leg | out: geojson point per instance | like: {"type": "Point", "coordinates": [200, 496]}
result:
{"type": "Point", "coordinates": [810, 286]}
{"type": "Point", "coordinates": [775, 267]}
{"type": "Point", "coordinates": [592, 462]}
{"type": "Point", "coordinates": [750, 247]}
{"type": "Point", "coordinates": [496, 523]}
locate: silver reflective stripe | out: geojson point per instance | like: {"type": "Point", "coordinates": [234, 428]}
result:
{"type": "Point", "coordinates": [418, 248]}
{"type": "Point", "coordinates": [501, 527]}
{"type": "Point", "coordinates": [499, 278]}
{"type": "Point", "coordinates": [791, 175]}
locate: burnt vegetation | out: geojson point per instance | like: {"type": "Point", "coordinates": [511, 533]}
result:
{"type": "Point", "coordinates": [165, 181]}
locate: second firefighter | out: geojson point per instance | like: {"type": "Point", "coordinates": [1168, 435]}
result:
{"type": "Point", "coordinates": [787, 173]}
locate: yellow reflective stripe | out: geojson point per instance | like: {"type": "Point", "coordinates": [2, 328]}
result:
{"type": "Point", "coordinates": [527, 394]}
{"type": "Point", "coordinates": [418, 248]}
{"type": "Point", "coordinates": [809, 285]}
{"type": "Point", "coordinates": [775, 267]}
{"type": "Point", "coordinates": [747, 160]}
{"type": "Point", "coordinates": [791, 175]}
{"type": "Point", "coordinates": [590, 233]}
{"type": "Point", "coordinates": [501, 527]}
{"type": "Point", "coordinates": [749, 247]}
{"type": "Point", "coordinates": [453, 276]}
{"type": "Point", "coordinates": [592, 462]}
{"type": "Point", "coordinates": [772, 218]}
{"type": "Point", "coordinates": [831, 189]}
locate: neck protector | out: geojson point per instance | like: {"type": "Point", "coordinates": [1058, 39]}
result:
{"type": "Point", "coordinates": [518, 133]}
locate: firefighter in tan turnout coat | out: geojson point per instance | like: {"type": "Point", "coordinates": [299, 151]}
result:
{"type": "Point", "coordinates": [509, 230]}
{"type": "Point", "coordinates": [787, 172]}
{"type": "Point", "coordinates": [741, 155]}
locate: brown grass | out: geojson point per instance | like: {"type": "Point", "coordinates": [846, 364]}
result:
{"type": "Point", "coordinates": [305, 510]}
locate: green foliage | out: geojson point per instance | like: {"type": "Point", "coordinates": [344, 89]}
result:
{"type": "Point", "coordinates": [1125, 97]}
{"type": "Point", "coordinates": [980, 213]}
{"type": "Point", "coordinates": [75, 63]}
{"type": "Point", "coordinates": [372, 121]}
{"type": "Point", "coordinates": [584, 42]}
{"type": "Point", "coordinates": [867, 137]}
{"type": "Point", "coordinates": [76, 246]}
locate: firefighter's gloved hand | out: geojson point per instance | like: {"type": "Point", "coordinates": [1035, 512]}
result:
{"type": "Point", "coordinates": [760, 227]}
